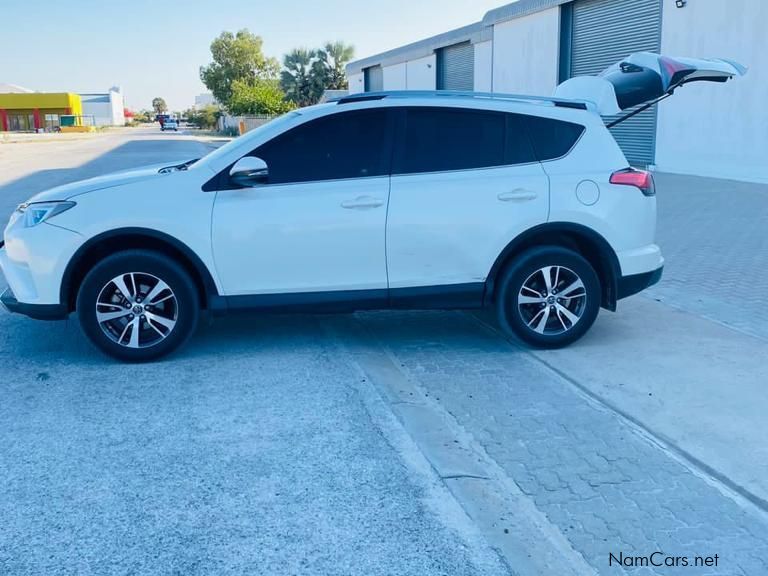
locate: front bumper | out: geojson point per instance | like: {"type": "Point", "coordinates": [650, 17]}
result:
{"type": "Point", "coordinates": [629, 285]}
{"type": "Point", "coordinates": [36, 311]}
{"type": "Point", "coordinates": [33, 261]}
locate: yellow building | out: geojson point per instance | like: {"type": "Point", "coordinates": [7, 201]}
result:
{"type": "Point", "coordinates": [34, 110]}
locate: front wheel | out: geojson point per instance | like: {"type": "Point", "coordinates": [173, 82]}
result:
{"type": "Point", "coordinates": [138, 305]}
{"type": "Point", "coordinates": [548, 297]}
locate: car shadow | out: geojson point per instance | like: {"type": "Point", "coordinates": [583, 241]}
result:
{"type": "Point", "coordinates": [235, 336]}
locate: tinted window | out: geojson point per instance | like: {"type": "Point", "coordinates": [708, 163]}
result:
{"type": "Point", "coordinates": [440, 139]}
{"type": "Point", "coordinates": [518, 149]}
{"type": "Point", "coordinates": [552, 138]}
{"type": "Point", "coordinates": [344, 145]}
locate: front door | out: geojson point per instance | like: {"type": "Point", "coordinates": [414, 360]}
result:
{"type": "Point", "coordinates": [318, 224]}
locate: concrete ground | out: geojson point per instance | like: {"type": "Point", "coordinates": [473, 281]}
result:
{"type": "Point", "coordinates": [398, 442]}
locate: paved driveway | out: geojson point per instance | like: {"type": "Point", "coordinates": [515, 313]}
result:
{"type": "Point", "coordinates": [714, 239]}
{"type": "Point", "coordinates": [386, 443]}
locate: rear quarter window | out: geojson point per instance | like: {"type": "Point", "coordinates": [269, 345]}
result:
{"type": "Point", "coordinates": [552, 138]}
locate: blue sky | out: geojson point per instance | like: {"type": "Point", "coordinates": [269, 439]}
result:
{"type": "Point", "coordinates": [154, 48]}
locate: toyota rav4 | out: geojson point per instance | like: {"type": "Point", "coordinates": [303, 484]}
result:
{"type": "Point", "coordinates": [427, 200]}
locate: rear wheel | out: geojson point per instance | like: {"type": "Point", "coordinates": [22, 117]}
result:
{"type": "Point", "coordinates": [138, 305]}
{"type": "Point", "coordinates": [548, 297]}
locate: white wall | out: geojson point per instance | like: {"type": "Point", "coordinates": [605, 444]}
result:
{"type": "Point", "coordinates": [395, 77]}
{"type": "Point", "coordinates": [526, 54]}
{"type": "Point", "coordinates": [107, 112]}
{"type": "Point", "coordinates": [118, 108]}
{"type": "Point", "coordinates": [101, 112]}
{"type": "Point", "coordinates": [421, 74]}
{"type": "Point", "coordinates": [484, 66]}
{"type": "Point", "coordinates": [717, 129]}
{"type": "Point", "coordinates": [356, 83]}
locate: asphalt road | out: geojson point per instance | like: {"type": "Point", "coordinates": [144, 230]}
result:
{"type": "Point", "coordinates": [380, 443]}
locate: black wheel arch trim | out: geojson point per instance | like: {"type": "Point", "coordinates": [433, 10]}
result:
{"type": "Point", "coordinates": [208, 283]}
{"type": "Point", "coordinates": [611, 270]}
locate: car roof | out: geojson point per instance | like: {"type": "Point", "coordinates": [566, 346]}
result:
{"type": "Point", "coordinates": [454, 95]}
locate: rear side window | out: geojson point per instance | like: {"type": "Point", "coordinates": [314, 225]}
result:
{"type": "Point", "coordinates": [552, 138]}
{"type": "Point", "coordinates": [443, 139]}
{"type": "Point", "coordinates": [344, 145]}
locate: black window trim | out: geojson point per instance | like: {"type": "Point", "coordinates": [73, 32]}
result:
{"type": "Point", "coordinates": [396, 126]}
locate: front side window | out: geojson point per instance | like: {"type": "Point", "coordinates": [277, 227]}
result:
{"type": "Point", "coordinates": [343, 145]}
{"type": "Point", "coordinates": [443, 139]}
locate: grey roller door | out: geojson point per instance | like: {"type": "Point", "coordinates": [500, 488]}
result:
{"type": "Point", "coordinates": [604, 32]}
{"type": "Point", "coordinates": [456, 67]}
{"type": "Point", "coordinates": [374, 79]}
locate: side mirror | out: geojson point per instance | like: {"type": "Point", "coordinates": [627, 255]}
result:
{"type": "Point", "coordinates": [249, 171]}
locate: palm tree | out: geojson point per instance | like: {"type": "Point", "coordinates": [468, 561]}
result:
{"type": "Point", "coordinates": [331, 62]}
{"type": "Point", "coordinates": [296, 79]}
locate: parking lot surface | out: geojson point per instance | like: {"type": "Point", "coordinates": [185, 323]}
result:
{"type": "Point", "coordinates": [393, 442]}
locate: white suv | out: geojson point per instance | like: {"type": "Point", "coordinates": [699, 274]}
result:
{"type": "Point", "coordinates": [389, 200]}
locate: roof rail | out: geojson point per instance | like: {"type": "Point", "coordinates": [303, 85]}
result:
{"type": "Point", "coordinates": [364, 96]}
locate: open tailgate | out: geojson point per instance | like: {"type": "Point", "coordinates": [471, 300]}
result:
{"type": "Point", "coordinates": [644, 78]}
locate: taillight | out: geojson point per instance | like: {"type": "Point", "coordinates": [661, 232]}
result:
{"type": "Point", "coordinates": [638, 178]}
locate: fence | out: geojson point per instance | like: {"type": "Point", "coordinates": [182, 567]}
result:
{"type": "Point", "coordinates": [241, 124]}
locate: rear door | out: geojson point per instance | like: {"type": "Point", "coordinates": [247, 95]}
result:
{"type": "Point", "coordinates": [464, 183]}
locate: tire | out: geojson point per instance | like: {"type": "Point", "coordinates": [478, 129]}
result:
{"type": "Point", "coordinates": [538, 316]}
{"type": "Point", "coordinates": [112, 299]}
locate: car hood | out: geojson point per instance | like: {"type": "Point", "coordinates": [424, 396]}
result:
{"type": "Point", "coordinates": [67, 191]}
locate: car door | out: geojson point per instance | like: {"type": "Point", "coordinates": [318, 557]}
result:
{"type": "Point", "coordinates": [465, 182]}
{"type": "Point", "coordinates": [318, 223]}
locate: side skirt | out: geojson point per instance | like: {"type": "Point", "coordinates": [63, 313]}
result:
{"type": "Point", "coordinates": [448, 297]}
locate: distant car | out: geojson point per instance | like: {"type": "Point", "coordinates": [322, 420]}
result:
{"type": "Point", "coordinates": [170, 124]}
{"type": "Point", "coordinates": [433, 200]}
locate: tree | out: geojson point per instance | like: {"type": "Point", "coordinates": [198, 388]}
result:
{"type": "Point", "coordinates": [159, 105]}
{"type": "Point", "coordinates": [330, 66]}
{"type": "Point", "coordinates": [236, 57]}
{"type": "Point", "coordinates": [205, 117]}
{"type": "Point", "coordinates": [297, 80]}
{"type": "Point", "coordinates": [259, 97]}
{"type": "Point", "coordinates": [143, 116]}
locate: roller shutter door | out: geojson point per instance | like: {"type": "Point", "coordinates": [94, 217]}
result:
{"type": "Point", "coordinates": [456, 67]}
{"type": "Point", "coordinates": [604, 32]}
{"type": "Point", "coordinates": [374, 79]}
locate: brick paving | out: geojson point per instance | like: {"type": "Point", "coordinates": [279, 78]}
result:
{"type": "Point", "coordinates": [713, 236]}
{"type": "Point", "coordinates": [607, 488]}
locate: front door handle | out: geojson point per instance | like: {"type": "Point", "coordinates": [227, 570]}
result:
{"type": "Point", "coordinates": [518, 194]}
{"type": "Point", "coordinates": [362, 203]}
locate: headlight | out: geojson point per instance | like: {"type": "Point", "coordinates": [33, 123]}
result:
{"type": "Point", "coordinates": [37, 212]}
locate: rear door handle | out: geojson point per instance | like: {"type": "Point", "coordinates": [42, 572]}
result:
{"type": "Point", "coordinates": [518, 194]}
{"type": "Point", "coordinates": [362, 203]}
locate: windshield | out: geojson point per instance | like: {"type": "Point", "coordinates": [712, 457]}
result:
{"type": "Point", "coordinates": [271, 125]}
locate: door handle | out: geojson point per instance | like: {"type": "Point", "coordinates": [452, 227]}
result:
{"type": "Point", "coordinates": [362, 203]}
{"type": "Point", "coordinates": [518, 194]}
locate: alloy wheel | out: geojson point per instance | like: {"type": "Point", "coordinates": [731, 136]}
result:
{"type": "Point", "coordinates": [552, 300]}
{"type": "Point", "coordinates": [137, 310]}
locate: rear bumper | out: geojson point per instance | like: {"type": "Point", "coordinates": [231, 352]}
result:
{"type": "Point", "coordinates": [629, 285]}
{"type": "Point", "coordinates": [36, 311]}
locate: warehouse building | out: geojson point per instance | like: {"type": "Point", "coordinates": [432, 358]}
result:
{"type": "Point", "coordinates": [106, 109]}
{"type": "Point", "coordinates": [31, 111]}
{"type": "Point", "coordinates": [530, 46]}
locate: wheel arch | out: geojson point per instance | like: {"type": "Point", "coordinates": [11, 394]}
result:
{"type": "Point", "coordinates": [120, 239]}
{"type": "Point", "coordinates": [591, 245]}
